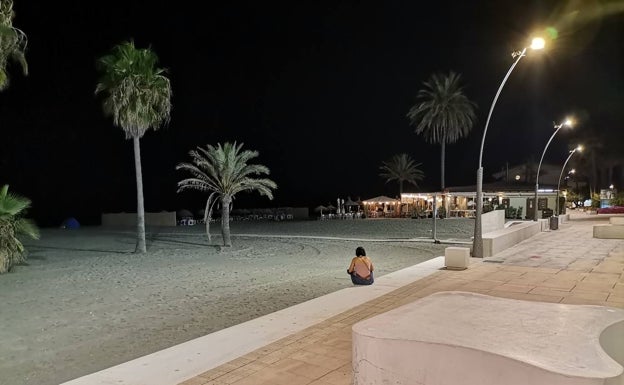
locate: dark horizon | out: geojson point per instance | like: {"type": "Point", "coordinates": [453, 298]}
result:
{"type": "Point", "coordinates": [320, 89]}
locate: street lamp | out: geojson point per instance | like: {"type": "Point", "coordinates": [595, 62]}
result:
{"type": "Point", "coordinates": [477, 245]}
{"type": "Point", "coordinates": [558, 127]}
{"type": "Point", "coordinates": [578, 148]}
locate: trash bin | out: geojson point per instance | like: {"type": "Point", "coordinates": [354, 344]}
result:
{"type": "Point", "coordinates": [554, 223]}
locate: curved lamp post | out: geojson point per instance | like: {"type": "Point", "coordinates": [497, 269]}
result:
{"type": "Point", "coordinates": [477, 245]}
{"type": "Point", "coordinates": [558, 127]}
{"type": "Point", "coordinates": [578, 148]}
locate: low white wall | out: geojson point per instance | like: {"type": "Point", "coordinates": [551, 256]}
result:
{"type": "Point", "coordinates": [300, 212]}
{"type": "Point", "coordinates": [616, 220]}
{"type": "Point", "coordinates": [496, 241]}
{"type": "Point", "coordinates": [163, 218]}
{"type": "Point", "coordinates": [609, 231]}
{"type": "Point", "coordinates": [494, 220]}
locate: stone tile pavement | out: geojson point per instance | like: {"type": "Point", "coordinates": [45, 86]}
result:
{"type": "Point", "coordinates": [563, 266]}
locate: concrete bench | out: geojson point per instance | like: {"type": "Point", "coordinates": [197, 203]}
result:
{"type": "Point", "coordinates": [451, 338]}
{"type": "Point", "coordinates": [616, 220]}
{"type": "Point", "coordinates": [496, 241]}
{"type": "Point", "coordinates": [613, 230]}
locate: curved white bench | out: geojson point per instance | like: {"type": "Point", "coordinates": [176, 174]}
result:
{"type": "Point", "coordinates": [451, 338]}
{"type": "Point", "coordinates": [496, 241]}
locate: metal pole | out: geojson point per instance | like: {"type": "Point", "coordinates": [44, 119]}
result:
{"type": "Point", "coordinates": [561, 175]}
{"type": "Point", "coordinates": [540, 165]}
{"type": "Point", "coordinates": [477, 243]}
{"type": "Point", "coordinates": [435, 212]}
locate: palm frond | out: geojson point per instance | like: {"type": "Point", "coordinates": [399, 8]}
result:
{"type": "Point", "coordinates": [136, 93]}
{"type": "Point", "coordinates": [224, 169]}
{"type": "Point", "coordinates": [12, 226]}
{"type": "Point", "coordinates": [401, 168]}
{"type": "Point", "coordinates": [442, 112]}
{"type": "Point", "coordinates": [13, 43]}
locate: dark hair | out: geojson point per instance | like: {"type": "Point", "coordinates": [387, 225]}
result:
{"type": "Point", "coordinates": [360, 252]}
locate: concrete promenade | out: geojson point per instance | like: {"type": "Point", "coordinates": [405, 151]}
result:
{"type": "Point", "coordinates": [562, 266]}
{"type": "Point", "coordinates": [310, 343]}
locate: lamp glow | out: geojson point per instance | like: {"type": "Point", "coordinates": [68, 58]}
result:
{"type": "Point", "coordinates": [538, 43]}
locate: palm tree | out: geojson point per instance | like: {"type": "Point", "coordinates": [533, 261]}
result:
{"type": "Point", "coordinates": [12, 225]}
{"type": "Point", "coordinates": [442, 114]}
{"type": "Point", "coordinates": [401, 168]}
{"type": "Point", "coordinates": [13, 43]}
{"type": "Point", "coordinates": [138, 97]}
{"type": "Point", "coordinates": [223, 172]}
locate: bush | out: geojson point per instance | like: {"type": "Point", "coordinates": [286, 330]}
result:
{"type": "Point", "coordinates": [595, 200]}
{"type": "Point", "coordinates": [618, 200]}
{"type": "Point", "coordinates": [13, 225]}
{"type": "Point", "coordinates": [611, 210]}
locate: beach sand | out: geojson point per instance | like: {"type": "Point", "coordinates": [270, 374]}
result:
{"type": "Point", "coordinates": [86, 302]}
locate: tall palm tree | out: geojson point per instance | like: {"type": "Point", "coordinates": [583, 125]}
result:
{"type": "Point", "coordinates": [137, 95]}
{"type": "Point", "coordinates": [223, 172]}
{"type": "Point", "coordinates": [13, 225]}
{"type": "Point", "coordinates": [442, 113]}
{"type": "Point", "coordinates": [401, 168]}
{"type": "Point", "coordinates": [13, 43]}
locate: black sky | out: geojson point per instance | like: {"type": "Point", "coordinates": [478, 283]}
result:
{"type": "Point", "coordinates": [319, 88]}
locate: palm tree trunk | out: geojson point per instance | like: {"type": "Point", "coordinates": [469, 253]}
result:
{"type": "Point", "coordinates": [400, 188]}
{"type": "Point", "coordinates": [207, 218]}
{"type": "Point", "coordinates": [225, 220]}
{"type": "Point", "coordinates": [140, 246]}
{"type": "Point", "coordinates": [442, 162]}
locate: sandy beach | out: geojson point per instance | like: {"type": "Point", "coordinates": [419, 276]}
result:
{"type": "Point", "coordinates": [85, 302]}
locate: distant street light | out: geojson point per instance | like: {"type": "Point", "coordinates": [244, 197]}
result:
{"type": "Point", "coordinates": [578, 148]}
{"type": "Point", "coordinates": [477, 245]}
{"type": "Point", "coordinates": [558, 127]}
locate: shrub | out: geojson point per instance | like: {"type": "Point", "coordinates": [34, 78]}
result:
{"type": "Point", "coordinates": [618, 200]}
{"type": "Point", "coordinates": [595, 200]}
{"type": "Point", "coordinates": [13, 225]}
{"type": "Point", "coordinates": [611, 210]}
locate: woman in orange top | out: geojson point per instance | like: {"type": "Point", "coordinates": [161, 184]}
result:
{"type": "Point", "coordinates": [361, 268]}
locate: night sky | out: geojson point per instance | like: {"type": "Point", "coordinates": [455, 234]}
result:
{"type": "Point", "coordinates": [319, 88]}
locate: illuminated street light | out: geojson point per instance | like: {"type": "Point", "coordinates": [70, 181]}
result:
{"type": "Point", "coordinates": [568, 123]}
{"type": "Point", "coordinates": [477, 245]}
{"type": "Point", "coordinates": [578, 148]}
{"type": "Point", "coordinates": [538, 43]}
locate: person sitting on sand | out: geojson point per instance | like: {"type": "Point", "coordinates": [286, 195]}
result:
{"type": "Point", "coordinates": [361, 268]}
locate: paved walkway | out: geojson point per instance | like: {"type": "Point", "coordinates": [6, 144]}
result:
{"type": "Point", "coordinates": [563, 266]}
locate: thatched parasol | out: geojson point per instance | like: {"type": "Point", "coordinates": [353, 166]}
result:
{"type": "Point", "coordinates": [319, 209]}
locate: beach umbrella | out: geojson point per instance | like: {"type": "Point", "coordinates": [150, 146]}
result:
{"type": "Point", "coordinates": [319, 209]}
{"type": "Point", "coordinates": [331, 207]}
{"type": "Point", "coordinates": [349, 203]}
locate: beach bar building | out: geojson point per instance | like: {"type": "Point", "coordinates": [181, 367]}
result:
{"type": "Point", "coordinates": [518, 201]}
{"type": "Point", "coordinates": [382, 207]}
